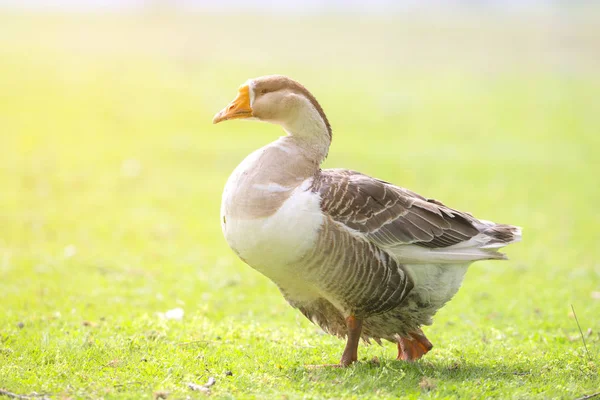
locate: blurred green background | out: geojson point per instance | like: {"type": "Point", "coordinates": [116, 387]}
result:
{"type": "Point", "coordinates": [111, 176]}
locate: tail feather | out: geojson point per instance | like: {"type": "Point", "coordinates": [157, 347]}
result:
{"type": "Point", "coordinates": [483, 246]}
{"type": "Point", "coordinates": [501, 235]}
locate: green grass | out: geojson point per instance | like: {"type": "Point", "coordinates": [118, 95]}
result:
{"type": "Point", "coordinates": [111, 176]}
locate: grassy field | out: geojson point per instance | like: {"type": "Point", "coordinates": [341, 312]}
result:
{"type": "Point", "coordinates": [111, 176]}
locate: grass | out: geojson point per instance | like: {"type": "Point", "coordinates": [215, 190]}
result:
{"type": "Point", "coordinates": [111, 176]}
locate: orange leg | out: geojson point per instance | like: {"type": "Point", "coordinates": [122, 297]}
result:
{"type": "Point", "coordinates": [414, 346]}
{"type": "Point", "coordinates": [350, 354]}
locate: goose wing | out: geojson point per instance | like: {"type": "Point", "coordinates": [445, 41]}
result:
{"type": "Point", "coordinates": [412, 227]}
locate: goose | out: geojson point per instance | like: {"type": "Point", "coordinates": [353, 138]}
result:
{"type": "Point", "coordinates": [358, 256]}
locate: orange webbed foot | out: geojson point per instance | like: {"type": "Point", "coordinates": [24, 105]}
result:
{"type": "Point", "coordinates": [413, 347]}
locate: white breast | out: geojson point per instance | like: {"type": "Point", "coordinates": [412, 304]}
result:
{"type": "Point", "coordinates": [271, 243]}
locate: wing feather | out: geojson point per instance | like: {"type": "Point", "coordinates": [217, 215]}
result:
{"type": "Point", "coordinates": [390, 216]}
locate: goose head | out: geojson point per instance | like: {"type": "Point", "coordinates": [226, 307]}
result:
{"type": "Point", "coordinates": [283, 101]}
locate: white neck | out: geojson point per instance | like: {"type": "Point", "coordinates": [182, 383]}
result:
{"type": "Point", "coordinates": [307, 130]}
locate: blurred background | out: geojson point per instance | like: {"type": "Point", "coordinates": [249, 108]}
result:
{"type": "Point", "coordinates": [111, 171]}
{"type": "Point", "coordinates": [111, 175]}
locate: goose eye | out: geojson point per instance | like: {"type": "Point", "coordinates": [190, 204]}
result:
{"type": "Point", "coordinates": [263, 91]}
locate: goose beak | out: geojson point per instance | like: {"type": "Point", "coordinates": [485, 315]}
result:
{"type": "Point", "coordinates": [238, 108]}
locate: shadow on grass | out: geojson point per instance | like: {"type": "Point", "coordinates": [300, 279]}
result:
{"type": "Point", "coordinates": [398, 377]}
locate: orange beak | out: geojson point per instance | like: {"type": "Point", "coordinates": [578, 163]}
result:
{"type": "Point", "coordinates": [238, 108]}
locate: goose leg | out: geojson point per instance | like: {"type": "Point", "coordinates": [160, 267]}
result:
{"type": "Point", "coordinates": [350, 354]}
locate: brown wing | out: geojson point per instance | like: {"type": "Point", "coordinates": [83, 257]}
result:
{"type": "Point", "coordinates": [389, 215]}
